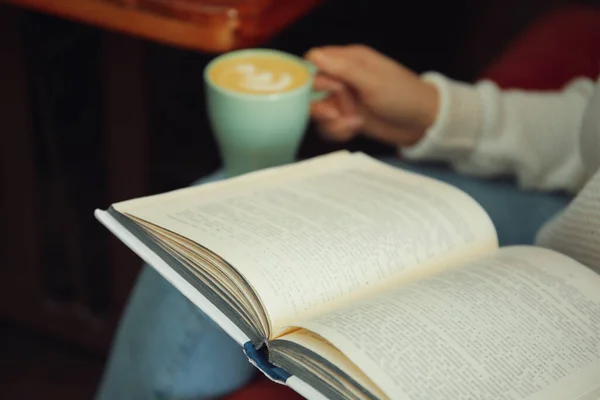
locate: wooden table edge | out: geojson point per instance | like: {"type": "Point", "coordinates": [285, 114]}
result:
{"type": "Point", "coordinates": [142, 24]}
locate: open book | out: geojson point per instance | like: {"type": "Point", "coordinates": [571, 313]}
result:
{"type": "Point", "coordinates": [367, 282]}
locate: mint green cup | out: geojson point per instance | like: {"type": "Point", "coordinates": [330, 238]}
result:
{"type": "Point", "coordinates": [256, 131]}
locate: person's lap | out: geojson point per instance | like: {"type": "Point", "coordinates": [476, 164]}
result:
{"type": "Point", "coordinates": [517, 214]}
{"type": "Point", "coordinates": [167, 348]}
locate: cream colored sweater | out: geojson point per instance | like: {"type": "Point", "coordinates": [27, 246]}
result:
{"type": "Point", "coordinates": [548, 140]}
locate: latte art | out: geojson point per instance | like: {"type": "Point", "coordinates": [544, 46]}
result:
{"type": "Point", "coordinates": [260, 74]}
{"type": "Point", "coordinates": [263, 81]}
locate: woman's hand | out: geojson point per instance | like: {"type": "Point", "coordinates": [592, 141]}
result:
{"type": "Point", "coordinates": [372, 94]}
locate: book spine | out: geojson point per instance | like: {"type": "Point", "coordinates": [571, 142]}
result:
{"type": "Point", "coordinates": [260, 359]}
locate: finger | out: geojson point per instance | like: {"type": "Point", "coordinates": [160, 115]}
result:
{"type": "Point", "coordinates": [336, 105]}
{"type": "Point", "coordinates": [339, 93]}
{"type": "Point", "coordinates": [356, 52]}
{"type": "Point", "coordinates": [346, 102]}
{"type": "Point", "coordinates": [342, 63]}
{"type": "Point", "coordinates": [324, 111]}
{"type": "Point", "coordinates": [341, 129]}
{"type": "Point", "coordinates": [326, 83]}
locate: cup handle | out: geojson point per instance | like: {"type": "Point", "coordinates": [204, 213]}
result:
{"type": "Point", "coordinates": [315, 95]}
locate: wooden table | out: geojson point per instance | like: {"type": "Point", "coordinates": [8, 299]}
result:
{"type": "Point", "coordinates": [210, 26]}
{"type": "Point", "coordinates": [205, 25]}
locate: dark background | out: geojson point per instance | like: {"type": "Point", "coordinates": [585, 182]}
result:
{"type": "Point", "coordinates": [64, 85]}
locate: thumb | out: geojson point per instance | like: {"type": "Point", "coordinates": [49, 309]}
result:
{"type": "Point", "coordinates": [341, 64]}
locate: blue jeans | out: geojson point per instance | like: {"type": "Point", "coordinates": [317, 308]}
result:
{"type": "Point", "coordinates": [166, 348]}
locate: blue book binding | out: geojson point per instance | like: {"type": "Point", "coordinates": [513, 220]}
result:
{"type": "Point", "coordinates": [260, 359]}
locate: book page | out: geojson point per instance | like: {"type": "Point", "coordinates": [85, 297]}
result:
{"type": "Point", "coordinates": [521, 324]}
{"type": "Point", "coordinates": [317, 345]}
{"type": "Point", "coordinates": [310, 236]}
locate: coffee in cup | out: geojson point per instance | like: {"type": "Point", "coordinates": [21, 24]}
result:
{"type": "Point", "coordinates": [259, 74]}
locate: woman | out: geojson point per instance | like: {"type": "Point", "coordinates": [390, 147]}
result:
{"type": "Point", "coordinates": [166, 348]}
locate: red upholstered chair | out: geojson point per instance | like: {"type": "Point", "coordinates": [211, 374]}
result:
{"type": "Point", "coordinates": [557, 47]}
{"type": "Point", "coordinates": [264, 389]}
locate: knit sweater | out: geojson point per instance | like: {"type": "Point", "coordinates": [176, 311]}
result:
{"type": "Point", "coordinates": [548, 140]}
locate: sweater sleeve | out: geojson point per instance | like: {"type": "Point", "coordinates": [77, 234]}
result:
{"type": "Point", "coordinates": [484, 131]}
